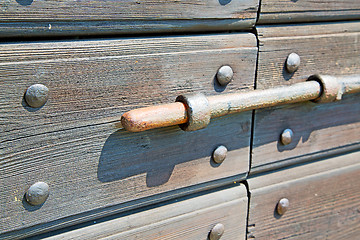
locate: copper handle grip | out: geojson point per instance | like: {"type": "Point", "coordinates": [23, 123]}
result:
{"type": "Point", "coordinates": [194, 112]}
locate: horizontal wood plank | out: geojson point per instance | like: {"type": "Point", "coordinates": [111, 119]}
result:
{"type": "Point", "coordinates": [285, 11]}
{"type": "Point", "coordinates": [323, 196]}
{"type": "Point", "coordinates": [75, 142]}
{"type": "Point", "coordinates": [327, 48]}
{"type": "Point", "coordinates": [319, 129]}
{"type": "Point", "coordinates": [192, 218]}
{"type": "Point", "coordinates": [36, 18]}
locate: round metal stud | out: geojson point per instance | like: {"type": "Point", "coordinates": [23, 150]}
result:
{"type": "Point", "coordinates": [36, 95]}
{"type": "Point", "coordinates": [217, 232]}
{"type": "Point", "coordinates": [37, 193]}
{"type": "Point", "coordinates": [224, 75]}
{"type": "Point", "coordinates": [219, 154]}
{"type": "Point", "coordinates": [282, 206]}
{"type": "Point", "coordinates": [292, 62]}
{"type": "Point", "coordinates": [198, 110]}
{"type": "Point", "coordinates": [287, 136]}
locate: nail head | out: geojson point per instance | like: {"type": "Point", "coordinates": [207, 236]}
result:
{"type": "Point", "coordinates": [219, 154]}
{"type": "Point", "coordinates": [287, 136]}
{"type": "Point", "coordinates": [224, 75]}
{"type": "Point", "coordinates": [37, 193]}
{"type": "Point", "coordinates": [282, 206]}
{"type": "Point", "coordinates": [292, 62]}
{"type": "Point", "coordinates": [36, 95]}
{"type": "Point", "coordinates": [217, 232]}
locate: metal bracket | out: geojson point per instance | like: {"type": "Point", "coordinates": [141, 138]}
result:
{"type": "Point", "coordinates": [331, 89]}
{"type": "Point", "coordinates": [198, 110]}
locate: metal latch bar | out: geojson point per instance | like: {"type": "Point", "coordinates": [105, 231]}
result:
{"type": "Point", "coordinates": [193, 112]}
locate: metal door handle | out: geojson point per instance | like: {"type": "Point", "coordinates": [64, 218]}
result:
{"type": "Point", "coordinates": [194, 112]}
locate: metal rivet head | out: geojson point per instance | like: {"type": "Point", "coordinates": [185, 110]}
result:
{"type": "Point", "coordinates": [37, 193]}
{"type": "Point", "coordinates": [217, 232]}
{"type": "Point", "coordinates": [282, 206]}
{"type": "Point", "coordinates": [224, 75]}
{"type": "Point", "coordinates": [36, 95]}
{"type": "Point", "coordinates": [292, 62]}
{"type": "Point", "coordinates": [219, 154]}
{"type": "Point", "coordinates": [287, 136]}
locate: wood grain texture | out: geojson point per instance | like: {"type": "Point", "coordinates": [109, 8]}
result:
{"type": "Point", "coordinates": [285, 11]}
{"type": "Point", "coordinates": [192, 218]}
{"type": "Point", "coordinates": [327, 48]}
{"type": "Point", "coordinates": [319, 129]}
{"type": "Point", "coordinates": [69, 17]}
{"type": "Point", "coordinates": [324, 201]}
{"type": "Point", "coordinates": [74, 142]}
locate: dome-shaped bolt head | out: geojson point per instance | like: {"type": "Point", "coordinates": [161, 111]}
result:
{"type": "Point", "coordinates": [36, 95]}
{"type": "Point", "coordinates": [219, 154]}
{"type": "Point", "coordinates": [287, 136]}
{"type": "Point", "coordinates": [292, 62]}
{"type": "Point", "coordinates": [217, 232]}
{"type": "Point", "coordinates": [224, 75]}
{"type": "Point", "coordinates": [282, 206]}
{"type": "Point", "coordinates": [37, 193]}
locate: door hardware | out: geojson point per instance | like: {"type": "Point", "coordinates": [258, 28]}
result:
{"type": "Point", "coordinates": [193, 112]}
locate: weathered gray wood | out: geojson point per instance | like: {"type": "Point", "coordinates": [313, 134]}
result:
{"type": "Point", "coordinates": [285, 11]}
{"type": "Point", "coordinates": [324, 201]}
{"type": "Point", "coordinates": [74, 143]}
{"type": "Point", "coordinates": [29, 18]}
{"type": "Point", "coordinates": [327, 48]}
{"type": "Point", "coordinates": [319, 129]}
{"type": "Point", "coordinates": [89, 28]}
{"type": "Point", "coordinates": [192, 218]}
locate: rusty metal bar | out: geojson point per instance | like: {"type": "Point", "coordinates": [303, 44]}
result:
{"type": "Point", "coordinates": [350, 84]}
{"type": "Point", "coordinates": [239, 102]}
{"type": "Point", "coordinates": [194, 112]}
{"type": "Point", "coordinates": [146, 118]}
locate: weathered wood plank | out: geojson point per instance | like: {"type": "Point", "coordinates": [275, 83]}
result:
{"type": "Point", "coordinates": [319, 130]}
{"type": "Point", "coordinates": [327, 48]}
{"type": "Point", "coordinates": [331, 49]}
{"type": "Point", "coordinates": [29, 18]}
{"type": "Point", "coordinates": [324, 201]}
{"type": "Point", "coordinates": [192, 218]}
{"type": "Point", "coordinates": [74, 142]}
{"type": "Point", "coordinates": [285, 11]}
